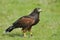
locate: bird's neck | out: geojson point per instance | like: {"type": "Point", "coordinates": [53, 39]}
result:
{"type": "Point", "coordinates": [35, 15]}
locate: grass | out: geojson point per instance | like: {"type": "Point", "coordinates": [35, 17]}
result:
{"type": "Point", "coordinates": [47, 29]}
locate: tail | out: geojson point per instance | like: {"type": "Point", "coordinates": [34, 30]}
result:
{"type": "Point", "coordinates": [9, 29]}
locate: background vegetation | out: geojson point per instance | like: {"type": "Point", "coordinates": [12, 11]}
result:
{"type": "Point", "coordinates": [47, 29]}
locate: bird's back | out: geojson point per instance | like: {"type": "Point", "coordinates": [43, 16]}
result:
{"type": "Point", "coordinates": [24, 21]}
{"type": "Point", "coordinates": [27, 21]}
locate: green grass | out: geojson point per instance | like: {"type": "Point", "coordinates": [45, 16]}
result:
{"type": "Point", "coordinates": [47, 29]}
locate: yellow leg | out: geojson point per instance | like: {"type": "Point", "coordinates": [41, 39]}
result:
{"type": "Point", "coordinates": [24, 34]}
{"type": "Point", "coordinates": [29, 30]}
{"type": "Point", "coordinates": [31, 33]}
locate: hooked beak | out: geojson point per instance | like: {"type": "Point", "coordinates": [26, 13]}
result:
{"type": "Point", "coordinates": [40, 10]}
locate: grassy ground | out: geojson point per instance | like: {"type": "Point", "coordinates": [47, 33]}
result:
{"type": "Point", "coordinates": [47, 29]}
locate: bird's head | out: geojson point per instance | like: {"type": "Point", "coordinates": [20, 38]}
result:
{"type": "Point", "coordinates": [38, 9]}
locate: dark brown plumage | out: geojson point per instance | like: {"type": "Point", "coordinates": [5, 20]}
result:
{"type": "Point", "coordinates": [26, 22]}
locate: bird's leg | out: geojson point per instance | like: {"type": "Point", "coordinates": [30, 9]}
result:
{"type": "Point", "coordinates": [24, 32]}
{"type": "Point", "coordinates": [30, 32]}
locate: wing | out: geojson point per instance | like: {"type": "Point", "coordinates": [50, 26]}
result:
{"type": "Point", "coordinates": [27, 21]}
{"type": "Point", "coordinates": [24, 21]}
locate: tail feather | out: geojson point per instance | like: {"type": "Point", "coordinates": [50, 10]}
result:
{"type": "Point", "coordinates": [9, 29]}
